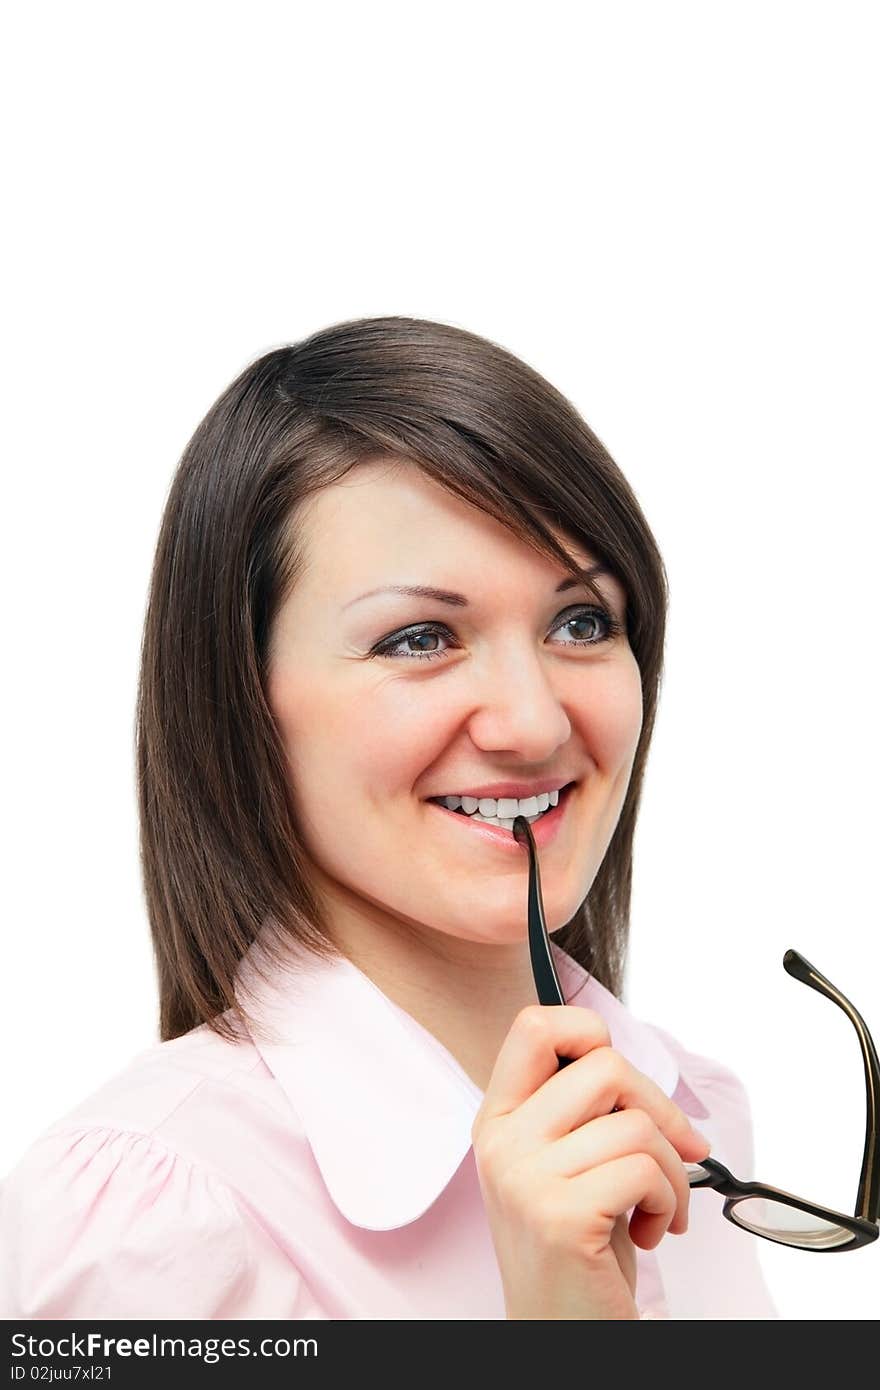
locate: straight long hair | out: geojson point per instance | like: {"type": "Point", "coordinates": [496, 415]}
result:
{"type": "Point", "coordinates": [220, 848]}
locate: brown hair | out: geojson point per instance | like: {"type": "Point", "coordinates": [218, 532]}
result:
{"type": "Point", "coordinates": [220, 848]}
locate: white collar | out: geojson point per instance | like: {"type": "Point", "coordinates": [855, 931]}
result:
{"type": "Point", "coordinates": [386, 1107]}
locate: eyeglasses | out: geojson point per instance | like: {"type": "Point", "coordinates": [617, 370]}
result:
{"type": "Point", "coordinates": [765, 1211]}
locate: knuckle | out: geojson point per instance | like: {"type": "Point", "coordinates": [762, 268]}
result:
{"type": "Point", "coordinates": [599, 1026]}
{"type": "Point", "coordinates": [535, 1018]}
{"type": "Point", "coordinates": [514, 1191]}
{"type": "Point", "coordinates": [482, 1123]}
{"type": "Point", "coordinates": [640, 1128]}
{"type": "Point", "coordinates": [532, 1019]}
{"type": "Point", "coordinates": [488, 1147]}
{"type": "Point", "coordinates": [645, 1168]}
{"type": "Point", "coordinates": [613, 1065]}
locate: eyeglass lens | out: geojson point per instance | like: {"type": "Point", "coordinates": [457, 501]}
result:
{"type": "Point", "coordinates": [787, 1224]}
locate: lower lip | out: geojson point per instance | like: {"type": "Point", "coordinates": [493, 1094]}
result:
{"type": "Point", "coordinates": [543, 830]}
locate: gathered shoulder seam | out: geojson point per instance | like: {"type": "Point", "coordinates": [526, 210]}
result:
{"type": "Point", "coordinates": [127, 1132]}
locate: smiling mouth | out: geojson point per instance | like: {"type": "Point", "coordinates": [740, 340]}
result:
{"type": "Point", "coordinates": [505, 822]}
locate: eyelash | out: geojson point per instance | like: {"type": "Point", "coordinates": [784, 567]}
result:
{"type": "Point", "coordinates": [385, 648]}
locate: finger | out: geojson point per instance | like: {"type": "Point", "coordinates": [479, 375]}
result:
{"type": "Point", "coordinates": [539, 1036]}
{"type": "Point", "coordinates": [606, 1192]}
{"type": "Point", "coordinates": [614, 1136]}
{"type": "Point", "coordinates": [592, 1086]}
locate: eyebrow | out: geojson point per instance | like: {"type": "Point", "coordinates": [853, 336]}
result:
{"type": "Point", "coordinates": [458, 600]}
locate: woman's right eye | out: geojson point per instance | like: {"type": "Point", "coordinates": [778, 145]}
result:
{"type": "Point", "coordinates": [387, 646]}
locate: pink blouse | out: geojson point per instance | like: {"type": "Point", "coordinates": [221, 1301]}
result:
{"type": "Point", "coordinates": [326, 1174]}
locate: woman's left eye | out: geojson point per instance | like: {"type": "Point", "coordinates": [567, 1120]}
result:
{"type": "Point", "coordinates": [584, 614]}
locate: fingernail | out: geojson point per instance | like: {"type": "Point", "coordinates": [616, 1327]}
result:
{"type": "Point", "coordinates": [703, 1138]}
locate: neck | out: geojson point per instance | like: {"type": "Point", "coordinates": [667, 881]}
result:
{"type": "Point", "coordinates": [466, 993]}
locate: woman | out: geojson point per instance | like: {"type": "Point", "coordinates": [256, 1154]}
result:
{"type": "Point", "coordinates": [401, 594]}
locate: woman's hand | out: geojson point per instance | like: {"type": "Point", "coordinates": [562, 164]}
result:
{"type": "Point", "coordinates": [559, 1173]}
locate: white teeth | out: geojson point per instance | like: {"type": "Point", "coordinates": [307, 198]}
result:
{"type": "Point", "coordinates": [509, 807]}
{"type": "Point", "coordinates": [504, 809]}
{"type": "Point", "coordinates": [506, 821]}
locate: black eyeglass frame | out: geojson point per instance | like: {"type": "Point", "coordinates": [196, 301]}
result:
{"type": "Point", "coordinates": [863, 1223]}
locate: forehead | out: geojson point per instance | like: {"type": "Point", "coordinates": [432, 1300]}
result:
{"type": "Point", "coordinates": [388, 515]}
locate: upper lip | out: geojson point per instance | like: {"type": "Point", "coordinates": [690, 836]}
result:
{"type": "Point", "coordinates": [519, 790]}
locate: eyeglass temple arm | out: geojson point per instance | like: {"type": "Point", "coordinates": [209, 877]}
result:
{"type": "Point", "coordinates": [868, 1198]}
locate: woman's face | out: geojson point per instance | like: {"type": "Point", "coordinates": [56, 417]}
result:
{"type": "Point", "coordinates": [521, 683]}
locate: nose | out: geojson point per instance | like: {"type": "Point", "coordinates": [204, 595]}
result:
{"type": "Point", "coordinates": [517, 709]}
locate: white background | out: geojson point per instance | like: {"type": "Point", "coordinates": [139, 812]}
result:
{"type": "Point", "coordinates": [671, 212]}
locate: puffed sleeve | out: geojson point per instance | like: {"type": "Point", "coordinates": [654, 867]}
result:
{"type": "Point", "coordinates": [102, 1222]}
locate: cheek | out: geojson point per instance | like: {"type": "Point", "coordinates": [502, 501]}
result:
{"type": "Point", "coordinates": [376, 741]}
{"type": "Point", "coordinates": [610, 712]}
{"type": "Point", "coordinates": [394, 732]}
{"type": "Point", "coordinates": [311, 731]}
